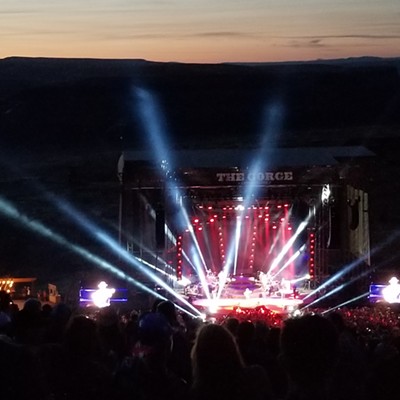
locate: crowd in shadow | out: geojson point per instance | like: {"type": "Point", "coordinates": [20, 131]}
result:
{"type": "Point", "coordinates": [54, 352]}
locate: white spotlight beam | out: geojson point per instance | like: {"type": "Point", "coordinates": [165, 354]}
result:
{"type": "Point", "coordinates": [345, 303]}
{"type": "Point", "coordinates": [289, 261]}
{"type": "Point", "coordinates": [288, 246]}
{"type": "Point", "coordinates": [10, 211]}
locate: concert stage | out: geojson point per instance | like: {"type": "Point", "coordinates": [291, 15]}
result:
{"type": "Point", "coordinates": [296, 215]}
{"type": "Point", "coordinates": [280, 305]}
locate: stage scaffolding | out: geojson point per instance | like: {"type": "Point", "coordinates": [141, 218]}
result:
{"type": "Point", "coordinates": [150, 199]}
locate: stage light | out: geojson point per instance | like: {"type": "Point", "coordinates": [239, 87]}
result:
{"type": "Point", "coordinates": [325, 194]}
{"type": "Point", "coordinates": [213, 309]}
{"type": "Point", "coordinates": [102, 296]}
{"type": "Point", "coordinates": [391, 293]}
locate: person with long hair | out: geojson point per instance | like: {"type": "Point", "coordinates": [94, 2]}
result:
{"type": "Point", "coordinates": [219, 371]}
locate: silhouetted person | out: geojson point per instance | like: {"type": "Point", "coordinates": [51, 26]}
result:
{"type": "Point", "coordinates": [28, 323]}
{"type": "Point", "coordinates": [179, 360]}
{"type": "Point", "coordinates": [74, 369]}
{"type": "Point", "coordinates": [145, 375]}
{"type": "Point", "coordinates": [57, 323]}
{"type": "Point", "coordinates": [218, 369]}
{"type": "Point", "coordinates": [112, 339]}
{"type": "Point", "coordinates": [232, 325]}
{"type": "Point", "coordinates": [308, 353]}
{"type": "Point", "coordinates": [351, 373]}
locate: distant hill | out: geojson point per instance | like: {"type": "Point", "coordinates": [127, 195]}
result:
{"type": "Point", "coordinates": [88, 103]}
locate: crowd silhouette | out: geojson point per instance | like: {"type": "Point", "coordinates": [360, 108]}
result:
{"type": "Point", "coordinates": [52, 352]}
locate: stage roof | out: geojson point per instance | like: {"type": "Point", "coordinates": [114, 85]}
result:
{"type": "Point", "coordinates": [243, 158]}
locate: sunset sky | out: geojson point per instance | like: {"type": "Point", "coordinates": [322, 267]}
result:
{"type": "Point", "coordinates": [201, 31]}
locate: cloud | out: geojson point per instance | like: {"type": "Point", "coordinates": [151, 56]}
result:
{"type": "Point", "coordinates": [366, 37]}
{"type": "Point", "coordinates": [18, 11]}
{"type": "Point", "coordinates": [174, 36]}
{"type": "Point", "coordinates": [311, 43]}
{"type": "Point", "coordinates": [227, 34]}
{"type": "Point", "coordinates": [323, 40]}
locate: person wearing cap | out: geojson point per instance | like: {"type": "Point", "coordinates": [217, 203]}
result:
{"type": "Point", "coordinates": [145, 374]}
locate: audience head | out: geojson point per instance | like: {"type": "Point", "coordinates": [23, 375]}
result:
{"type": "Point", "coordinates": [154, 330]}
{"type": "Point", "coordinates": [81, 336]}
{"type": "Point", "coordinates": [5, 301]}
{"type": "Point", "coordinates": [231, 324]}
{"type": "Point", "coordinates": [215, 355]}
{"type": "Point", "coordinates": [168, 309]}
{"type": "Point", "coordinates": [308, 347]}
